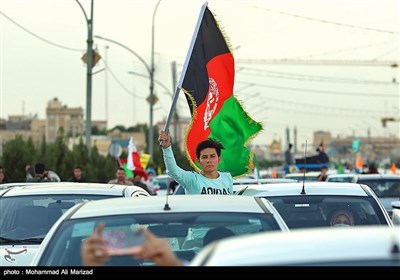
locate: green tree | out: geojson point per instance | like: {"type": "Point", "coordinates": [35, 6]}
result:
{"type": "Point", "coordinates": [56, 156]}
{"type": "Point", "coordinates": [78, 156]}
{"type": "Point", "coordinates": [16, 155]}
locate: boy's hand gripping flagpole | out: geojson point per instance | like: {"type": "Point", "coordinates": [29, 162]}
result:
{"type": "Point", "coordinates": [183, 73]}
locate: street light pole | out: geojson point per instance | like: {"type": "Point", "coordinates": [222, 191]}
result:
{"type": "Point", "coordinates": [89, 58]}
{"type": "Point", "coordinates": [176, 117]}
{"type": "Point", "coordinates": [150, 70]}
{"type": "Point", "coordinates": [151, 136]}
{"type": "Point", "coordinates": [106, 81]}
{"type": "Point", "coordinates": [128, 49]}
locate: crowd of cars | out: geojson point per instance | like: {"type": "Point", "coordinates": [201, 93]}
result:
{"type": "Point", "coordinates": [312, 204]}
{"type": "Point", "coordinates": [44, 224]}
{"type": "Point", "coordinates": [28, 211]}
{"type": "Point", "coordinates": [338, 246]}
{"type": "Point", "coordinates": [183, 220]}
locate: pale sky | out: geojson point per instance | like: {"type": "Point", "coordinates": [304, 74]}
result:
{"type": "Point", "coordinates": [42, 43]}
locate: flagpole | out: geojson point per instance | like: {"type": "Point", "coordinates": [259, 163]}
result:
{"type": "Point", "coordinates": [185, 65]}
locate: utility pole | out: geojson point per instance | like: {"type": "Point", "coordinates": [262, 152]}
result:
{"type": "Point", "coordinates": [89, 62]}
{"type": "Point", "coordinates": [176, 117]}
{"type": "Point", "coordinates": [106, 81]}
{"type": "Point", "coordinates": [151, 99]}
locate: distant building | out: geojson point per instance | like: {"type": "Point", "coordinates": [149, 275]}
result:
{"type": "Point", "coordinates": [179, 127]}
{"type": "Point", "coordinates": [73, 124]}
{"type": "Point", "coordinates": [58, 115]}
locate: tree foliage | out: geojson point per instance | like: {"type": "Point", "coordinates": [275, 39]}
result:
{"type": "Point", "coordinates": [60, 158]}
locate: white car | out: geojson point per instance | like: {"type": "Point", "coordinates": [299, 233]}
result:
{"type": "Point", "coordinates": [299, 176]}
{"type": "Point", "coordinates": [339, 246]}
{"type": "Point", "coordinates": [239, 183]}
{"type": "Point", "coordinates": [29, 211]}
{"type": "Point", "coordinates": [184, 220]}
{"type": "Point", "coordinates": [386, 187]}
{"type": "Point", "coordinates": [396, 213]}
{"type": "Point", "coordinates": [315, 204]}
{"type": "Point", "coordinates": [161, 183]}
{"type": "Point", "coordinates": [343, 178]}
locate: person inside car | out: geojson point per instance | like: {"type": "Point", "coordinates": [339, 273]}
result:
{"type": "Point", "coordinates": [216, 234]}
{"type": "Point", "coordinates": [341, 218]}
{"type": "Point", "coordinates": [94, 251]}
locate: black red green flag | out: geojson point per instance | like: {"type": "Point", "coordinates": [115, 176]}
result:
{"type": "Point", "coordinates": [216, 113]}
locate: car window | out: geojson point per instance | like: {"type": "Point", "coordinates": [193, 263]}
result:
{"type": "Point", "coordinates": [316, 211]}
{"type": "Point", "coordinates": [340, 179]}
{"type": "Point", "coordinates": [383, 187]}
{"type": "Point", "coordinates": [179, 189]}
{"type": "Point", "coordinates": [24, 217]}
{"type": "Point", "coordinates": [163, 182]}
{"type": "Point", "coordinates": [184, 231]}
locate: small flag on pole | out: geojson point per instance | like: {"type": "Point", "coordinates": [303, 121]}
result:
{"type": "Point", "coordinates": [133, 160]}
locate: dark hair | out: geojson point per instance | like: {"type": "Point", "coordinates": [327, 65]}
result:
{"type": "Point", "coordinates": [209, 143]}
{"type": "Point", "coordinates": [39, 168]}
{"type": "Point", "coordinates": [216, 234]}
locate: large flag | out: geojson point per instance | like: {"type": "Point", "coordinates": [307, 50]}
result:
{"type": "Point", "coordinates": [216, 113]}
{"type": "Point", "coordinates": [133, 161]}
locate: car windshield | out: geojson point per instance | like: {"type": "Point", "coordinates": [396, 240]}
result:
{"type": "Point", "coordinates": [340, 179]}
{"type": "Point", "coordinates": [383, 187]}
{"type": "Point", "coordinates": [319, 211]}
{"type": "Point", "coordinates": [24, 217]}
{"type": "Point", "coordinates": [186, 233]}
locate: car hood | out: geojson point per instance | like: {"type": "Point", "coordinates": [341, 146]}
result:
{"type": "Point", "coordinates": [17, 255]}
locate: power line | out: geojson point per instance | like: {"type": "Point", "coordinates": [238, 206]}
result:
{"type": "Point", "coordinates": [322, 62]}
{"type": "Point", "coordinates": [346, 50]}
{"type": "Point", "coordinates": [119, 82]}
{"type": "Point", "coordinates": [325, 92]}
{"type": "Point", "coordinates": [315, 78]}
{"type": "Point", "coordinates": [38, 37]}
{"type": "Point", "coordinates": [328, 22]}
{"type": "Point", "coordinates": [322, 107]}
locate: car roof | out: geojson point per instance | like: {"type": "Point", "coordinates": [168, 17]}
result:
{"type": "Point", "coordinates": [302, 246]}
{"type": "Point", "coordinates": [66, 188]}
{"type": "Point", "coordinates": [342, 175]}
{"type": "Point", "coordinates": [308, 174]}
{"type": "Point", "coordinates": [311, 188]}
{"type": "Point", "coordinates": [243, 181]}
{"type": "Point", "coordinates": [378, 176]}
{"type": "Point", "coordinates": [176, 203]}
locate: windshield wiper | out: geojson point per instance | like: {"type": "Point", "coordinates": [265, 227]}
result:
{"type": "Point", "coordinates": [6, 240]}
{"type": "Point", "coordinates": [32, 240]}
{"type": "Point", "coordinates": [19, 241]}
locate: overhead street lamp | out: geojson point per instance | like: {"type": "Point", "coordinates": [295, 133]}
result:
{"type": "Point", "coordinates": [126, 48]}
{"type": "Point", "coordinates": [176, 117]}
{"type": "Point", "coordinates": [89, 58]}
{"type": "Point", "coordinates": [151, 98]}
{"type": "Point", "coordinates": [150, 70]}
